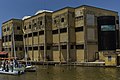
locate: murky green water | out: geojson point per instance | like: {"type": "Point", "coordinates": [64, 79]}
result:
{"type": "Point", "coordinates": [67, 73]}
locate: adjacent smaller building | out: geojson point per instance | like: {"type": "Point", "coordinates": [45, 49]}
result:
{"type": "Point", "coordinates": [12, 38]}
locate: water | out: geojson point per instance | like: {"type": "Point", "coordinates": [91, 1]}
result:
{"type": "Point", "coordinates": [67, 73]}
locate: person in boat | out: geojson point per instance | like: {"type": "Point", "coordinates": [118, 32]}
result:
{"type": "Point", "coordinates": [16, 63]}
{"type": "Point", "coordinates": [4, 64]}
{"type": "Point", "coordinates": [11, 65]}
{"type": "Point", "coordinates": [7, 66]}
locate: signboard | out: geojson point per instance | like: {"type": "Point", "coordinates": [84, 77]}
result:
{"type": "Point", "coordinates": [107, 27]}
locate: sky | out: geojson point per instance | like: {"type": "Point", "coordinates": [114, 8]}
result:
{"type": "Point", "coordinates": [20, 8]}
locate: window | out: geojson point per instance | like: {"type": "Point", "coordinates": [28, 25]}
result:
{"type": "Point", "coordinates": [25, 27]}
{"type": "Point", "coordinates": [41, 32]}
{"type": "Point", "coordinates": [109, 58]}
{"type": "Point", "coordinates": [9, 37]}
{"type": "Point", "coordinates": [25, 36]}
{"type": "Point", "coordinates": [18, 27]}
{"type": "Point", "coordinates": [29, 26]}
{"type": "Point", "coordinates": [79, 46]}
{"type": "Point", "coordinates": [35, 34]}
{"type": "Point", "coordinates": [20, 48]}
{"type": "Point", "coordinates": [5, 30]}
{"type": "Point", "coordinates": [8, 28]}
{"type": "Point", "coordinates": [78, 29]}
{"type": "Point", "coordinates": [2, 38]}
{"type": "Point", "coordinates": [41, 47]}
{"type": "Point", "coordinates": [55, 21]}
{"type": "Point", "coordinates": [30, 48]}
{"type": "Point", "coordinates": [3, 49]}
{"type": "Point", "coordinates": [55, 31]}
{"type": "Point", "coordinates": [16, 49]}
{"type": "Point", "coordinates": [63, 30]}
{"type": "Point", "coordinates": [48, 47]}
{"type": "Point", "coordinates": [40, 22]}
{"type": "Point", "coordinates": [34, 24]}
{"type": "Point", "coordinates": [35, 48]}
{"type": "Point", "coordinates": [117, 21]}
{"type": "Point", "coordinates": [18, 37]}
{"type": "Point", "coordinates": [64, 46]}
{"type": "Point", "coordinates": [30, 35]}
{"type": "Point", "coordinates": [72, 47]}
{"type": "Point", "coordinates": [79, 18]}
{"type": "Point", "coordinates": [62, 19]}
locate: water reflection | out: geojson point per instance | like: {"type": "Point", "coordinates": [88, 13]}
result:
{"type": "Point", "coordinates": [67, 73]}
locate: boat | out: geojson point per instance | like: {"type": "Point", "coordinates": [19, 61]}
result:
{"type": "Point", "coordinates": [30, 68]}
{"type": "Point", "coordinates": [12, 72]}
{"type": "Point", "coordinates": [8, 68]}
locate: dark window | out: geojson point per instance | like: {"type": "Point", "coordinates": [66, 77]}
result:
{"type": "Point", "coordinates": [117, 21]}
{"type": "Point", "coordinates": [63, 30]}
{"type": "Point", "coordinates": [20, 48]}
{"type": "Point", "coordinates": [8, 28]}
{"type": "Point", "coordinates": [79, 46]}
{"type": "Point", "coordinates": [40, 22]}
{"type": "Point", "coordinates": [55, 31]}
{"type": "Point", "coordinates": [16, 49]}
{"type": "Point", "coordinates": [18, 27]}
{"type": "Point", "coordinates": [64, 46]}
{"type": "Point", "coordinates": [41, 32]}
{"type": "Point", "coordinates": [3, 49]}
{"type": "Point", "coordinates": [5, 38]}
{"type": "Point", "coordinates": [4, 30]}
{"type": "Point", "coordinates": [18, 37]}
{"type": "Point", "coordinates": [25, 27]}
{"type": "Point", "coordinates": [29, 26]}
{"type": "Point", "coordinates": [30, 48]}
{"type": "Point", "coordinates": [30, 35]}
{"type": "Point", "coordinates": [62, 19]}
{"type": "Point", "coordinates": [9, 37]}
{"type": "Point", "coordinates": [72, 47]}
{"type": "Point", "coordinates": [109, 58]}
{"type": "Point", "coordinates": [25, 36]}
{"type": "Point", "coordinates": [79, 18]}
{"type": "Point", "coordinates": [2, 38]}
{"type": "Point", "coordinates": [48, 47]}
{"type": "Point", "coordinates": [35, 34]}
{"type": "Point", "coordinates": [34, 24]}
{"type": "Point", "coordinates": [35, 48]}
{"type": "Point", "coordinates": [78, 29]}
{"type": "Point", "coordinates": [55, 21]}
{"type": "Point", "coordinates": [41, 47]}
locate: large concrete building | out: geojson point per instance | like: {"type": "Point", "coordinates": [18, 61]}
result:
{"type": "Point", "coordinates": [71, 34]}
{"type": "Point", "coordinates": [12, 38]}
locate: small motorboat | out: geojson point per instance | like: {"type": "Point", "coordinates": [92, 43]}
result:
{"type": "Point", "coordinates": [10, 67]}
{"type": "Point", "coordinates": [11, 72]}
{"type": "Point", "coordinates": [30, 68]}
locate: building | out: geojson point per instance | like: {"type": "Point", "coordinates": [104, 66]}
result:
{"type": "Point", "coordinates": [81, 34]}
{"type": "Point", "coordinates": [38, 36]}
{"type": "Point", "coordinates": [63, 33]}
{"type": "Point", "coordinates": [87, 32]}
{"type": "Point", "coordinates": [12, 38]}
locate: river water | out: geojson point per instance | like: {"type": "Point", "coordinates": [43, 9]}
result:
{"type": "Point", "coordinates": [67, 73]}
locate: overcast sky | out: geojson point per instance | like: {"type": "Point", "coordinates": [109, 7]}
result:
{"type": "Point", "coordinates": [20, 8]}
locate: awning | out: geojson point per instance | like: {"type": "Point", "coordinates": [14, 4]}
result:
{"type": "Point", "coordinates": [3, 53]}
